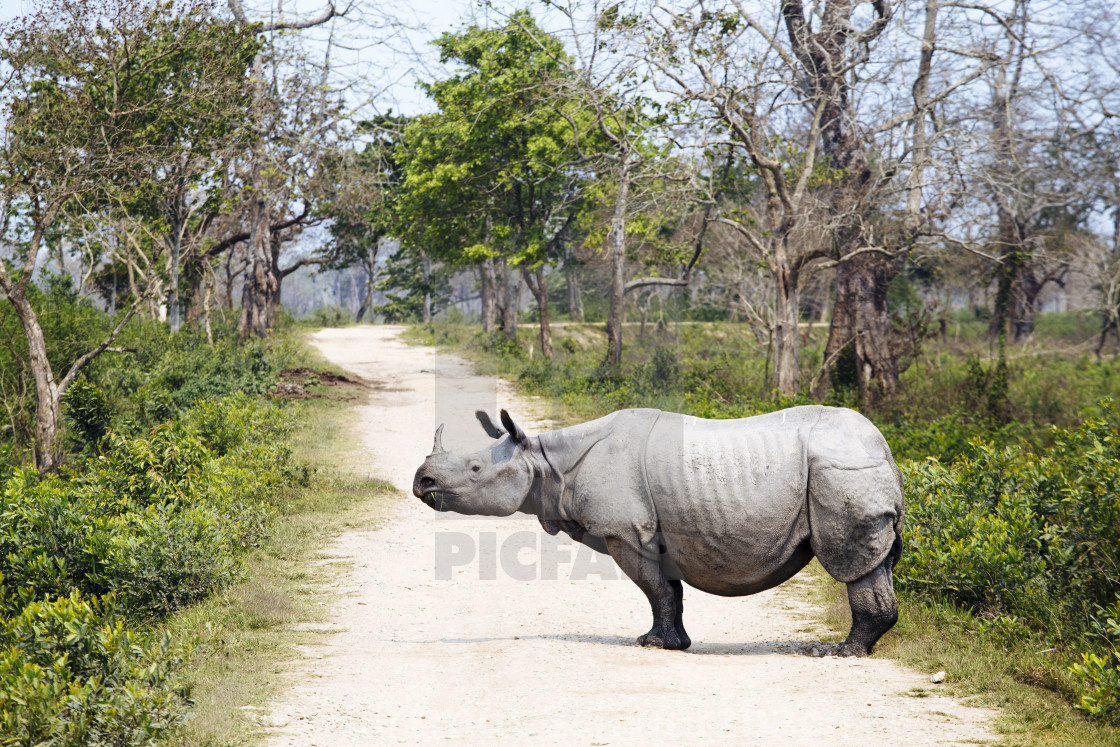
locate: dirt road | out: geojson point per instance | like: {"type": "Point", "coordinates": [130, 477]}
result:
{"type": "Point", "coordinates": [489, 631]}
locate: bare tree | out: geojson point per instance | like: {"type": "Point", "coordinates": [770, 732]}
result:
{"type": "Point", "coordinates": [1031, 163]}
{"type": "Point", "coordinates": [815, 100]}
{"type": "Point", "coordinates": [261, 294]}
{"type": "Point", "coordinates": [745, 82]}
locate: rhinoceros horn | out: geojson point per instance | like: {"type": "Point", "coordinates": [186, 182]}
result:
{"type": "Point", "coordinates": [437, 446]}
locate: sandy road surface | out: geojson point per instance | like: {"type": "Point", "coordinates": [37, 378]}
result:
{"type": "Point", "coordinates": [487, 631]}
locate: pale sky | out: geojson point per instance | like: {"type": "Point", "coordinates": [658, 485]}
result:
{"type": "Point", "coordinates": [388, 42]}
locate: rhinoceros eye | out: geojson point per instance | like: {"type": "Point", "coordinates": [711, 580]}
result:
{"type": "Point", "coordinates": [475, 468]}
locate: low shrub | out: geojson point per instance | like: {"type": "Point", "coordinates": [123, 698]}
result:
{"type": "Point", "coordinates": [73, 673]}
{"type": "Point", "coordinates": [1012, 534]}
{"type": "Point", "coordinates": [157, 520]}
{"type": "Point", "coordinates": [1100, 677]}
{"type": "Point", "coordinates": [1019, 531]}
{"type": "Point", "coordinates": [144, 526]}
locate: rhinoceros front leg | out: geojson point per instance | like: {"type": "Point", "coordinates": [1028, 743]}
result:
{"type": "Point", "coordinates": [874, 610]}
{"type": "Point", "coordinates": [666, 598]}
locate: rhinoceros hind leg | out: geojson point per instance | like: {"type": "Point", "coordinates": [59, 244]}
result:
{"type": "Point", "coordinates": [874, 610]}
{"type": "Point", "coordinates": [678, 620]}
{"type": "Point", "coordinates": [665, 596]}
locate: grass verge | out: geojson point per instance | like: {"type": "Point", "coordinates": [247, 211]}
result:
{"type": "Point", "coordinates": [249, 632]}
{"type": "Point", "coordinates": [983, 668]}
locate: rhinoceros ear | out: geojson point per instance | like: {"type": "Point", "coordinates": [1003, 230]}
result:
{"type": "Point", "coordinates": [492, 430]}
{"type": "Point", "coordinates": [514, 429]}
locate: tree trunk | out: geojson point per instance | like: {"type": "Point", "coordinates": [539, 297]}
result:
{"type": "Point", "coordinates": [571, 276]}
{"type": "Point", "coordinates": [575, 296]}
{"type": "Point", "coordinates": [535, 281]}
{"type": "Point", "coordinates": [227, 296]}
{"type": "Point", "coordinates": [196, 282]}
{"type": "Point", "coordinates": [426, 264]}
{"type": "Point", "coordinates": [786, 334]}
{"type": "Point", "coordinates": [367, 300]}
{"type": "Point", "coordinates": [617, 310]}
{"type": "Point", "coordinates": [1025, 294]}
{"type": "Point", "coordinates": [1018, 289]}
{"type": "Point", "coordinates": [46, 453]}
{"type": "Point", "coordinates": [1110, 322]}
{"type": "Point", "coordinates": [509, 310]}
{"type": "Point", "coordinates": [259, 280]}
{"type": "Point", "coordinates": [173, 311]}
{"type": "Point", "coordinates": [643, 313]}
{"type": "Point", "coordinates": [861, 319]}
{"type": "Point", "coordinates": [260, 298]}
{"type": "Point", "coordinates": [489, 295]}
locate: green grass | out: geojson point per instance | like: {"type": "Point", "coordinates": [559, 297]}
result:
{"type": "Point", "coordinates": [250, 631]}
{"type": "Point", "coordinates": [983, 668]}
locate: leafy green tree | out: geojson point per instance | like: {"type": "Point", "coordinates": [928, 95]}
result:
{"type": "Point", "coordinates": [416, 288]}
{"type": "Point", "coordinates": [95, 107]}
{"type": "Point", "coordinates": [488, 179]}
{"type": "Point", "coordinates": [180, 196]}
{"type": "Point", "coordinates": [618, 135]}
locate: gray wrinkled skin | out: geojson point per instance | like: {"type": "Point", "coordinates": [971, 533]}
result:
{"type": "Point", "coordinates": [732, 507]}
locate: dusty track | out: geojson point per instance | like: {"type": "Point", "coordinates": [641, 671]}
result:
{"type": "Point", "coordinates": [484, 657]}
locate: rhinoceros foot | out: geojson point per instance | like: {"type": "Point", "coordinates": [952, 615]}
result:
{"type": "Point", "coordinates": [666, 638]}
{"type": "Point", "coordinates": [851, 649]}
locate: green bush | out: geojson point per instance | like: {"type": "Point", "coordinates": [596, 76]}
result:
{"type": "Point", "coordinates": [157, 520]}
{"type": "Point", "coordinates": [145, 526]}
{"type": "Point", "coordinates": [191, 370]}
{"type": "Point", "coordinates": [1014, 531]}
{"type": "Point", "coordinates": [88, 412]}
{"type": "Point", "coordinates": [972, 533]}
{"type": "Point", "coordinates": [1100, 676]}
{"type": "Point", "coordinates": [72, 673]}
{"type": "Point", "coordinates": [1030, 542]}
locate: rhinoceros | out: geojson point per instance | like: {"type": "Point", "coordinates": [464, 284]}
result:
{"type": "Point", "coordinates": [732, 507]}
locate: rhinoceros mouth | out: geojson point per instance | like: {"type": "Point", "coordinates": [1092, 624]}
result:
{"type": "Point", "coordinates": [436, 498]}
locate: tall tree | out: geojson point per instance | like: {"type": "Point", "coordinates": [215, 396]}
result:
{"type": "Point", "coordinates": [261, 295]}
{"type": "Point", "coordinates": [746, 87]}
{"type": "Point", "coordinates": [619, 133]}
{"type": "Point", "coordinates": [484, 178]}
{"type": "Point", "coordinates": [816, 102]}
{"type": "Point", "coordinates": [94, 100]}
{"type": "Point", "coordinates": [361, 210]}
{"type": "Point", "coordinates": [1033, 167]}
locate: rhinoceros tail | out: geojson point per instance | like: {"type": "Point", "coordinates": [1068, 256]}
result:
{"type": "Point", "coordinates": [896, 546]}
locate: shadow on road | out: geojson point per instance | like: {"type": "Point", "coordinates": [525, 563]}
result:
{"type": "Point", "coordinates": [754, 648]}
